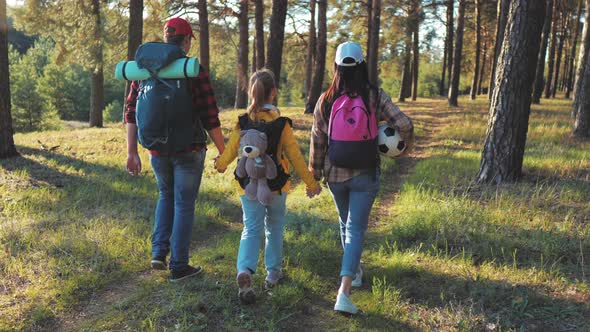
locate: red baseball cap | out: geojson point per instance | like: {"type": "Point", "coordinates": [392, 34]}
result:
{"type": "Point", "coordinates": [178, 26]}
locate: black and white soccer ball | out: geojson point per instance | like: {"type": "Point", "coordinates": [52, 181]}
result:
{"type": "Point", "coordinates": [389, 142]}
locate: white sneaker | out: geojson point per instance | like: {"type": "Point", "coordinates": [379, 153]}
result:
{"type": "Point", "coordinates": [358, 278]}
{"type": "Point", "coordinates": [343, 304]}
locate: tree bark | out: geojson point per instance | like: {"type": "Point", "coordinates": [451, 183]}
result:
{"type": "Point", "coordinates": [310, 48]}
{"type": "Point", "coordinates": [320, 57]}
{"type": "Point", "coordinates": [501, 19]}
{"type": "Point", "coordinates": [416, 50]}
{"type": "Point", "coordinates": [369, 27]}
{"type": "Point", "coordinates": [582, 63]}
{"type": "Point", "coordinates": [582, 123]}
{"type": "Point", "coordinates": [540, 72]}
{"type": "Point", "coordinates": [259, 26]}
{"type": "Point", "coordinates": [562, 38]}
{"type": "Point", "coordinates": [441, 86]}
{"type": "Point", "coordinates": [552, 46]}
{"type": "Point", "coordinates": [505, 141]}
{"type": "Point", "coordinates": [203, 34]}
{"type": "Point", "coordinates": [450, 34]}
{"type": "Point", "coordinates": [253, 62]}
{"type": "Point", "coordinates": [455, 74]}
{"type": "Point", "coordinates": [483, 67]}
{"type": "Point", "coordinates": [374, 42]}
{"type": "Point", "coordinates": [448, 48]}
{"type": "Point", "coordinates": [7, 148]}
{"type": "Point", "coordinates": [406, 74]}
{"type": "Point", "coordinates": [570, 75]}
{"type": "Point", "coordinates": [97, 76]}
{"type": "Point", "coordinates": [477, 49]}
{"type": "Point", "coordinates": [134, 36]}
{"type": "Point", "coordinates": [242, 72]}
{"type": "Point", "coordinates": [276, 38]}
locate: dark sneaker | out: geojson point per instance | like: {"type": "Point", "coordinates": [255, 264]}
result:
{"type": "Point", "coordinates": [159, 263]}
{"type": "Point", "coordinates": [187, 272]}
{"type": "Point", "coordinates": [246, 292]}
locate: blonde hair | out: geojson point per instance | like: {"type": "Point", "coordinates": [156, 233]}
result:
{"type": "Point", "coordinates": [262, 82]}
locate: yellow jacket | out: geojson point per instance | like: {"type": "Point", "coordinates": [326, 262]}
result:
{"type": "Point", "coordinates": [287, 143]}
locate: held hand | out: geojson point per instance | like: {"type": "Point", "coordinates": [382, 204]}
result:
{"type": "Point", "coordinates": [220, 170]}
{"type": "Point", "coordinates": [133, 164]}
{"type": "Point", "coordinates": [314, 192]}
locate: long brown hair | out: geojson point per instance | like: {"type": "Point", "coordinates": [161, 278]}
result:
{"type": "Point", "coordinates": [352, 80]}
{"type": "Point", "coordinates": [262, 82]}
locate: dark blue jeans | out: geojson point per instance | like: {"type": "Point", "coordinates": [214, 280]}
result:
{"type": "Point", "coordinates": [179, 178]}
{"type": "Point", "coordinates": [354, 199]}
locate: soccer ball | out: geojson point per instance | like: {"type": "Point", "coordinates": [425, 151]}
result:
{"type": "Point", "coordinates": [389, 142]}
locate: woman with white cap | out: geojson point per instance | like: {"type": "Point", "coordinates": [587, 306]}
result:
{"type": "Point", "coordinates": [343, 151]}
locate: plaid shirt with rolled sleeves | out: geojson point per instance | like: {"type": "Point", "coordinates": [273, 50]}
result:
{"type": "Point", "coordinates": [318, 147]}
{"type": "Point", "coordinates": [204, 102]}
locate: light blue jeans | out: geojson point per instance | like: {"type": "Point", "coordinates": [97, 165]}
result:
{"type": "Point", "coordinates": [179, 178]}
{"type": "Point", "coordinates": [258, 218]}
{"type": "Point", "coordinates": [354, 199]}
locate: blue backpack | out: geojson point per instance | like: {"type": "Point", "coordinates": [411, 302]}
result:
{"type": "Point", "coordinates": [164, 111]}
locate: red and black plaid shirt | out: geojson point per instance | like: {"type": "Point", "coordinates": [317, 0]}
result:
{"type": "Point", "coordinates": [204, 103]}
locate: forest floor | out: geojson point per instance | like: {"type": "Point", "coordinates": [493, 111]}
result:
{"type": "Point", "coordinates": [442, 252]}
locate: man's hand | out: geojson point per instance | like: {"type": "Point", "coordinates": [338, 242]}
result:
{"type": "Point", "coordinates": [314, 192]}
{"type": "Point", "coordinates": [133, 164]}
{"type": "Point", "coordinates": [215, 165]}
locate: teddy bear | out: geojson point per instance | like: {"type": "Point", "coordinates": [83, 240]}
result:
{"type": "Point", "coordinates": [256, 165]}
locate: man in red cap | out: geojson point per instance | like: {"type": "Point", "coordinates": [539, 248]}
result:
{"type": "Point", "coordinates": [178, 174]}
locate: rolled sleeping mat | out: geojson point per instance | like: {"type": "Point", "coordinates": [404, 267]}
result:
{"type": "Point", "coordinates": [180, 68]}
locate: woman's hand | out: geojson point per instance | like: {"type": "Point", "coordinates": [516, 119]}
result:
{"type": "Point", "coordinates": [313, 192]}
{"type": "Point", "coordinates": [133, 164]}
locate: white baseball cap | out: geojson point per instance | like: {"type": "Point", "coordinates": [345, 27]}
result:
{"type": "Point", "coordinates": [349, 50]}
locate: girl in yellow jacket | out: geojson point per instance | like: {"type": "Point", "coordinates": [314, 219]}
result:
{"type": "Point", "coordinates": [258, 217]}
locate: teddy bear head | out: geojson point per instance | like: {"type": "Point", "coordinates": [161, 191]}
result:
{"type": "Point", "coordinates": [253, 143]}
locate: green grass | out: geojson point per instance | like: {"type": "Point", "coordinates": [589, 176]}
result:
{"type": "Point", "coordinates": [446, 255]}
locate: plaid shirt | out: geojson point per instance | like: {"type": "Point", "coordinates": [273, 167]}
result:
{"type": "Point", "coordinates": [204, 102]}
{"type": "Point", "coordinates": [386, 110]}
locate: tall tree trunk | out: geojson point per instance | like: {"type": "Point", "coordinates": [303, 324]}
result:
{"type": "Point", "coordinates": [134, 37]}
{"type": "Point", "coordinates": [477, 49]}
{"type": "Point", "coordinates": [97, 76]}
{"type": "Point", "coordinates": [374, 42]}
{"type": "Point", "coordinates": [552, 47]}
{"type": "Point", "coordinates": [450, 41]}
{"type": "Point", "coordinates": [441, 86]}
{"type": "Point", "coordinates": [540, 72]}
{"type": "Point", "coordinates": [510, 107]}
{"type": "Point", "coordinates": [276, 38]}
{"type": "Point", "coordinates": [259, 25]}
{"type": "Point", "coordinates": [456, 72]}
{"type": "Point", "coordinates": [253, 61]}
{"type": "Point", "coordinates": [310, 48]}
{"type": "Point", "coordinates": [562, 38]}
{"type": "Point", "coordinates": [502, 17]}
{"type": "Point", "coordinates": [582, 123]}
{"type": "Point", "coordinates": [582, 63]}
{"type": "Point", "coordinates": [483, 67]}
{"type": "Point", "coordinates": [570, 75]}
{"type": "Point", "coordinates": [406, 74]}
{"type": "Point", "coordinates": [203, 34]}
{"type": "Point", "coordinates": [7, 148]}
{"type": "Point", "coordinates": [369, 27]}
{"type": "Point", "coordinates": [320, 57]}
{"type": "Point", "coordinates": [416, 49]}
{"type": "Point", "coordinates": [242, 72]}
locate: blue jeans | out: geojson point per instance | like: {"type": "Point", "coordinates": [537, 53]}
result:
{"type": "Point", "coordinates": [257, 218]}
{"type": "Point", "coordinates": [354, 199]}
{"type": "Point", "coordinates": [179, 178]}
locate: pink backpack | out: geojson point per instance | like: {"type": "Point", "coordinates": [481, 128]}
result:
{"type": "Point", "coordinates": [352, 133]}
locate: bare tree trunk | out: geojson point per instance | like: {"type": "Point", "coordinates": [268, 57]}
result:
{"type": "Point", "coordinates": [406, 74]}
{"type": "Point", "coordinates": [310, 49]}
{"type": "Point", "coordinates": [582, 123]}
{"type": "Point", "coordinates": [134, 36]}
{"type": "Point", "coordinates": [276, 38]}
{"type": "Point", "coordinates": [320, 57]}
{"type": "Point", "coordinates": [253, 61]}
{"type": "Point", "coordinates": [483, 67]}
{"type": "Point", "coordinates": [416, 49]}
{"type": "Point", "coordinates": [7, 148]}
{"type": "Point", "coordinates": [477, 49]}
{"type": "Point", "coordinates": [374, 42]}
{"type": "Point", "coordinates": [203, 34]}
{"type": "Point", "coordinates": [242, 72]}
{"type": "Point", "coordinates": [510, 107]}
{"type": "Point", "coordinates": [562, 38]}
{"type": "Point", "coordinates": [369, 27]}
{"type": "Point", "coordinates": [259, 24]}
{"type": "Point", "coordinates": [97, 76]}
{"type": "Point", "coordinates": [540, 72]}
{"type": "Point", "coordinates": [570, 75]}
{"type": "Point", "coordinates": [443, 75]}
{"type": "Point", "coordinates": [582, 63]}
{"type": "Point", "coordinates": [502, 17]}
{"type": "Point", "coordinates": [455, 75]}
{"type": "Point", "coordinates": [450, 35]}
{"type": "Point", "coordinates": [552, 46]}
